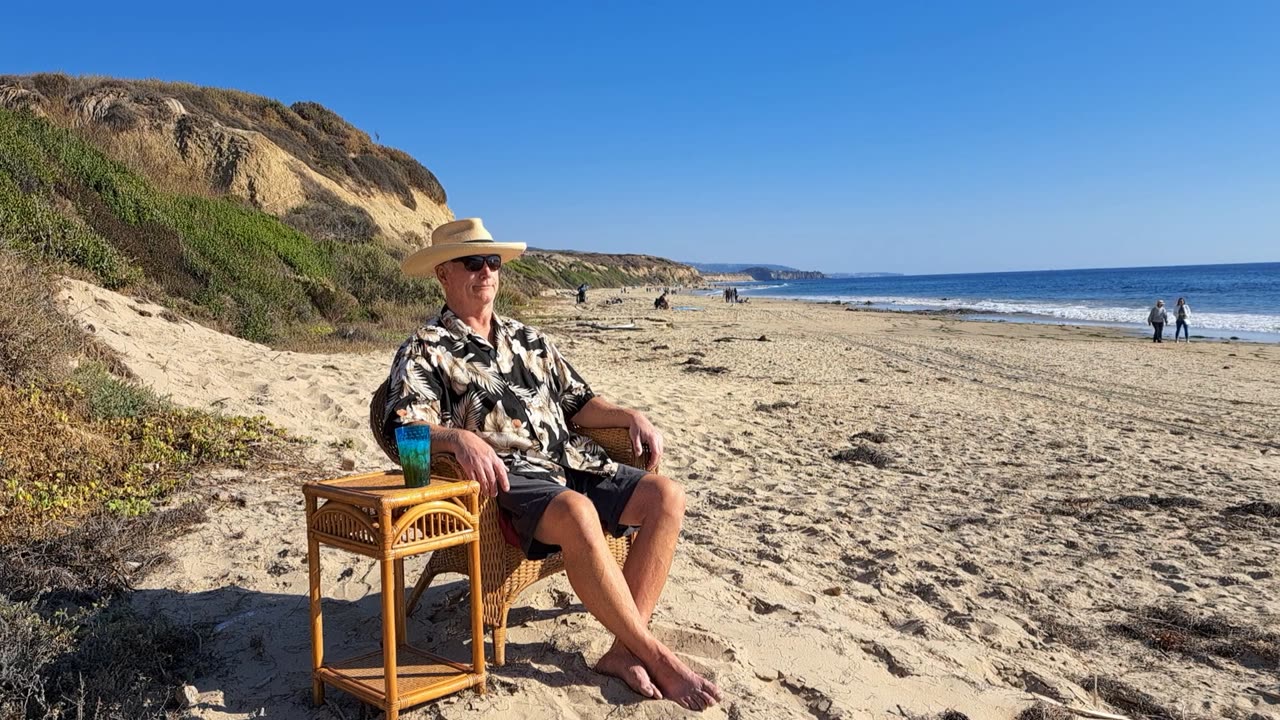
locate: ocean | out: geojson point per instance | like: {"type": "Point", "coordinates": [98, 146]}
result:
{"type": "Point", "coordinates": [1241, 301]}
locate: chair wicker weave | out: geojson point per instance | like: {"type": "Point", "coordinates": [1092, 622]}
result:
{"type": "Point", "coordinates": [504, 570]}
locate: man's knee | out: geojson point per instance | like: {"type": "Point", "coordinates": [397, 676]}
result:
{"type": "Point", "coordinates": [570, 519]}
{"type": "Point", "coordinates": [668, 496]}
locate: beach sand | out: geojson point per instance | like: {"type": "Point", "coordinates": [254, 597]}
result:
{"type": "Point", "coordinates": [1043, 487]}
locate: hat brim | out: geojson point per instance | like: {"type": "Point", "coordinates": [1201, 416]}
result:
{"type": "Point", "coordinates": [424, 262]}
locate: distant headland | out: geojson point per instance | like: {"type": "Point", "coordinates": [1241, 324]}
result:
{"type": "Point", "coordinates": [764, 271]}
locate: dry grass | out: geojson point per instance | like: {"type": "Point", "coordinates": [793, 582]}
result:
{"type": "Point", "coordinates": [774, 406]}
{"type": "Point", "coordinates": [1130, 700]}
{"type": "Point", "coordinates": [875, 436]}
{"type": "Point", "coordinates": [104, 555]}
{"type": "Point", "coordinates": [35, 339]}
{"type": "Point", "coordinates": [1069, 634]}
{"type": "Point", "coordinates": [1041, 711]}
{"type": "Point", "coordinates": [1259, 508]}
{"type": "Point", "coordinates": [1170, 628]}
{"type": "Point", "coordinates": [71, 645]}
{"type": "Point", "coordinates": [866, 455]}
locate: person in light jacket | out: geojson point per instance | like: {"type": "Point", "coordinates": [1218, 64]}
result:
{"type": "Point", "coordinates": [1157, 319]}
{"type": "Point", "coordinates": [1182, 314]}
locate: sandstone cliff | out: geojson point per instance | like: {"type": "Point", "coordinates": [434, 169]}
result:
{"type": "Point", "coordinates": [567, 269]}
{"type": "Point", "coordinates": [278, 223]}
{"type": "Point", "coordinates": [279, 158]}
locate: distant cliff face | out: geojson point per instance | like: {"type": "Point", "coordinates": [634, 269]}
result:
{"type": "Point", "coordinates": [302, 158]}
{"type": "Point", "coordinates": [760, 273]}
{"type": "Point", "coordinates": [566, 269]}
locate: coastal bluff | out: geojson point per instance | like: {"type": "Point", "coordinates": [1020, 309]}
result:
{"type": "Point", "coordinates": [276, 223]}
{"type": "Point", "coordinates": [763, 273]}
{"type": "Point", "coordinates": [301, 158]}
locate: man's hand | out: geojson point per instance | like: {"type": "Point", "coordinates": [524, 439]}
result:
{"type": "Point", "coordinates": [644, 433]}
{"type": "Point", "coordinates": [478, 460]}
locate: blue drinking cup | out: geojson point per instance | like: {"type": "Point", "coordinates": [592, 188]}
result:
{"type": "Point", "coordinates": [414, 443]}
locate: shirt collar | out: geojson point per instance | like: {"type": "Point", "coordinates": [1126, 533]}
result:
{"type": "Point", "coordinates": [458, 327]}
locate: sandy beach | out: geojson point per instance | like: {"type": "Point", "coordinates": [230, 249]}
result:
{"type": "Point", "coordinates": [889, 515]}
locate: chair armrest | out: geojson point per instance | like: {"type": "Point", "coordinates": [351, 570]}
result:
{"type": "Point", "coordinates": [616, 442]}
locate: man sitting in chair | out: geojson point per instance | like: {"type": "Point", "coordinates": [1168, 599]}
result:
{"type": "Point", "coordinates": [499, 396]}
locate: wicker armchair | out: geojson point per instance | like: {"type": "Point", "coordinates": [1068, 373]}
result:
{"type": "Point", "coordinates": [504, 570]}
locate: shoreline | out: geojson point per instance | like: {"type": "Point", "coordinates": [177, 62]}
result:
{"type": "Point", "coordinates": [1124, 329]}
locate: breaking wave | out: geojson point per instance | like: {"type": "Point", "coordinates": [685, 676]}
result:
{"type": "Point", "coordinates": [1242, 322]}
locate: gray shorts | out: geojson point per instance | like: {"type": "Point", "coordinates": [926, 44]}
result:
{"type": "Point", "coordinates": [529, 497]}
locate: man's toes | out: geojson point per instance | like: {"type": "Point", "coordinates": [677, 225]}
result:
{"type": "Point", "coordinates": [640, 682]}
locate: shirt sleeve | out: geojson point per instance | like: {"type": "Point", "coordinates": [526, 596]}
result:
{"type": "Point", "coordinates": [574, 392]}
{"type": "Point", "coordinates": [415, 387]}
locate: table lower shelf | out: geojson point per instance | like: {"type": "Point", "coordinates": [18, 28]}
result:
{"type": "Point", "coordinates": [420, 676]}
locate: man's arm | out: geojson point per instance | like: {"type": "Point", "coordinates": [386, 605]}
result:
{"type": "Point", "coordinates": [478, 460]}
{"type": "Point", "coordinates": [600, 413]}
{"type": "Point", "coordinates": [416, 385]}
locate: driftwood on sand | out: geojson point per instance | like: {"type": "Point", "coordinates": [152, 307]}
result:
{"type": "Point", "coordinates": [608, 326]}
{"type": "Point", "coordinates": [1082, 712]}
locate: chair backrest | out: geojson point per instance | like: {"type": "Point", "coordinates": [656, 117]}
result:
{"type": "Point", "coordinates": [377, 416]}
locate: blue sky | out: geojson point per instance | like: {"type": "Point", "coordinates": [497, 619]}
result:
{"type": "Point", "coordinates": [911, 137]}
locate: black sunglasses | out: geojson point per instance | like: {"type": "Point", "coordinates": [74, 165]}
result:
{"type": "Point", "coordinates": [473, 263]}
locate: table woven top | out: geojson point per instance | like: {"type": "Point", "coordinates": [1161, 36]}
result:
{"type": "Point", "coordinates": [378, 490]}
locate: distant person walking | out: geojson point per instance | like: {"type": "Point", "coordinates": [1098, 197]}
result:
{"type": "Point", "coordinates": [661, 303]}
{"type": "Point", "coordinates": [582, 293]}
{"type": "Point", "coordinates": [1157, 319]}
{"type": "Point", "coordinates": [1182, 313]}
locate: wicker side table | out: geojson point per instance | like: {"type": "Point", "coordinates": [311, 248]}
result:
{"type": "Point", "coordinates": [375, 515]}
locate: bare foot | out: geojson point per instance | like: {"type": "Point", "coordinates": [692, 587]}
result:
{"type": "Point", "coordinates": [682, 685]}
{"type": "Point", "coordinates": [620, 663]}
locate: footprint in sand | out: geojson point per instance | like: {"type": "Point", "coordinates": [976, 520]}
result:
{"type": "Point", "coordinates": [694, 643]}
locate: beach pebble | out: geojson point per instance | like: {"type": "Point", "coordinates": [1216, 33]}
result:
{"type": "Point", "coordinates": [834, 591]}
{"type": "Point", "coordinates": [348, 462]}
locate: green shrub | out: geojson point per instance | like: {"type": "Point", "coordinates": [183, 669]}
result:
{"type": "Point", "coordinates": [28, 221]}
{"type": "Point", "coordinates": [57, 462]}
{"type": "Point", "coordinates": [370, 274]}
{"type": "Point", "coordinates": [332, 221]}
{"type": "Point", "coordinates": [110, 398]}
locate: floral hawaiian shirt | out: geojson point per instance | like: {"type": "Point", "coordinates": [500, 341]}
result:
{"type": "Point", "coordinates": [516, 395]}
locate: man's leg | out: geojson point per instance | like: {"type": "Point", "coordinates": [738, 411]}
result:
{"type": "Point", "coordinates": [657, 507]}
{"type": "Point", "coordinates": [571, 521]}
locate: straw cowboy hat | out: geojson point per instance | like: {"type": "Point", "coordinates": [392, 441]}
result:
{"type": "Point", "coordinates": [456, 239]}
